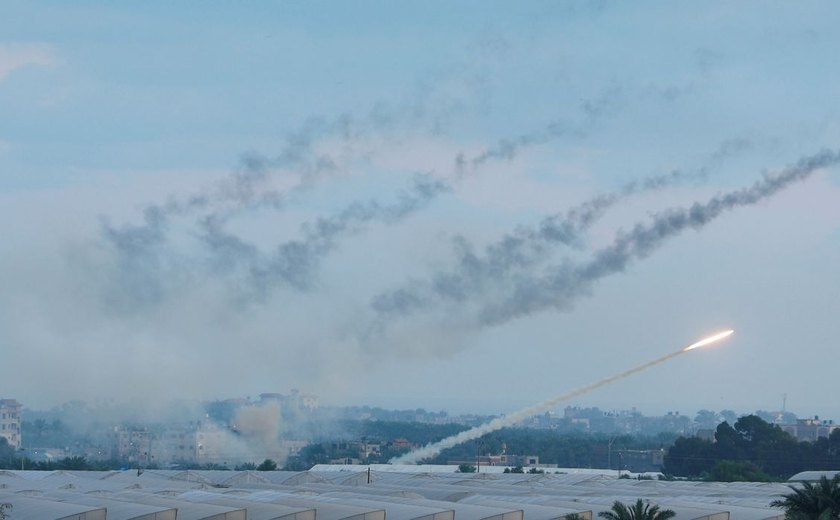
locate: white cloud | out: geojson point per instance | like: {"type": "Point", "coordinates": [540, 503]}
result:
{"type": "Point", "coordinates": [14, 56]}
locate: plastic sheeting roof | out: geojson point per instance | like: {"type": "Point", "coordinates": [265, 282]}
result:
{"type": "Point", "coordinates": [423, 493]}
{"type": "Point", "coordinates": [43, 509]}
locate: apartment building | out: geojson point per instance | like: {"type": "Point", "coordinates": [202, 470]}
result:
{"type": "Point", "coordinates": [10, 421]}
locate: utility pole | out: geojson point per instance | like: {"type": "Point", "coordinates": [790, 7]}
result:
{"type": "Point", "coordinates": [620, 464]}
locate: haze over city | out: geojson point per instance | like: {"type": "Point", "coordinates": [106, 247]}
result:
{"type": "Point", "coordinates": [474, 206]}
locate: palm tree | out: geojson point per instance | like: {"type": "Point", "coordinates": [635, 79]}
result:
{"type": "Point", "coordinates": [820, 501]}
{"type": "Point", "coordinates": [638, 511]}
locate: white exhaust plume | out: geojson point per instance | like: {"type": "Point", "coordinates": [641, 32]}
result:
{"type": "Point", "coordinates": [432, 449]}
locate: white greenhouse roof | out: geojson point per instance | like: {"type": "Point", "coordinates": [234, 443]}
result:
{"type": "Point", "coordinates": [394, 492]}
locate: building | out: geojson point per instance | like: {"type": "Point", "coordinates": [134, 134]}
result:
{"type": "Point", "coordinates": [641, 461]}
{"type": "Point", "coordinates": [810, 429]}
{"type": "Point", "coordinates": [295, 402]}
{"type": "Point", "coordinates": [10, 421]}
{"type": "Point", "coordinates": [131, 445]}
{"type": "Point", "coordinates": [174, 445]}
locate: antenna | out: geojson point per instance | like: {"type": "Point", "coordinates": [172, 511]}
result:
{"type": "Point", "coordinates": [780, 417]}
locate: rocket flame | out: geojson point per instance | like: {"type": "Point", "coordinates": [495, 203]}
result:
{"type": "Point", "coordinates": [711, 339]}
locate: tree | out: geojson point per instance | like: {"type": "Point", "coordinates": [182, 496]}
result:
{"type": "Point", "coordinates": [820, 501]}
{"type": "Point", "coordinates": [466, 468]}
{"type": "Point", "coordinates": [689, 456]}
{"type": "Point", "coordinates": [729, 416]}
{"type": "Point", "coordinates": [706, 418]}
{"type": "Point", "coordinates": [737, 471]}
{"type": "Point", "coordinates": [3, 508]}
{"type": "Point", "coordinates": [751, 449]}
{"type": "Point", "coordinates": [7, 455]}
{"type": "Point", "coordinates": [638, 511]}
{"type": "Point", "coordinates": [267, 465]}
{"type": "Point", "coordinates": [74, 463]}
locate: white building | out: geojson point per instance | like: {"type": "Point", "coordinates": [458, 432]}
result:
{"type": "Point", "coordinates": [810, 429]}
{"type": "Point", "coordinates": [10, 421]}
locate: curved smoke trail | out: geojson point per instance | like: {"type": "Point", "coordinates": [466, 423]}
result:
{"type": "Point", "coordinates": [561, 287]}
{"type": "Point", "coordinates": [526, 247]}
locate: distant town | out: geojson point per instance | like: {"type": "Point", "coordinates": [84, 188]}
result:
{"type": "Point", "coordinates": [294, 431]}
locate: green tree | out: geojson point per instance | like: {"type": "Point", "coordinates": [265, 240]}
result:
{"type": "Point", "coordinates": [466, 468]}
{"type": "Point", "coordinates": [638, 511]}
{"type": "Point", "coordinates": [7, 455]}
{"type": "Point", "coordinates": [751, 446]}
{"type": "Point", "coordinates": [737, 471]}
{"type": "Point", "coordinates": [728, 416]}
{"type": "Point", "coordinates": [73, 463]}
{"type": "Point", "coordinates": [689, 456]}
{"type": "Point", "coordinates": [267, 465]}
{"type": "Point", "coordinates": [812, 501]}
{"type": "Point", "coordinates": [3, 508]}
{"type": "Point", "coordinates": [706, 419]}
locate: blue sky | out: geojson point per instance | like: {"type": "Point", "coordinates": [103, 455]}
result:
{"type": "Point", "coordinates": [206, 200]}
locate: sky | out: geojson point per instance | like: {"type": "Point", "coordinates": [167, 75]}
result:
{"type": "Point", "coordinates": [470, 206]}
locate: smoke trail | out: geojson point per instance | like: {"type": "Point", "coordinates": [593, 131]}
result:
{"type": "Point", "coordinates": [526, 247]}
{"type": "Point", "coordinates": [251, 187]}
{"type": "Point", "coordinates": [560, 288]}
{"type": "Point", "coordinates": [251, 184]}
{"type": "Point", "coordinates": [293, 263]}
{"type": "Point", "coordinates": [595, 109]}
{"type": "Point", "coordinates": [433, 449]}
{"type": "Point", "coordinates": [608, 103]}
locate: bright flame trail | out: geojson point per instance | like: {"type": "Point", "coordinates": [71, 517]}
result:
{"type": "Point", "coordinates": [432, 449]}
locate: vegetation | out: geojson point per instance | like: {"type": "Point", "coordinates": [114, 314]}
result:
{"type": "Point", "coordinates": [638, 511]}
{"type": "Point", "coordinates": [735, 471]}
{"type": "Point", "coordinates": [466, 468]}
{"type": "Point", "coordinates": [267, 465]}
{"type": "Point", "coordinates": [750, 450]}
{"type": "Point", "coordinates": [41, 432]}
{"type": "Point", "coordinates": [578, 449]}
{"type": "Point", "coordinates": [3, 509]}
{"type": "Point", "coordinates": [570, 450]}
{"type": "Point", "coordinates": [813, 501]}
{"type": "Point", "coordinates": [8, 457]}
